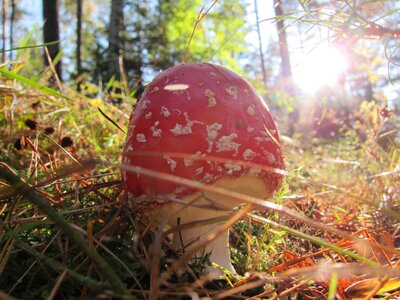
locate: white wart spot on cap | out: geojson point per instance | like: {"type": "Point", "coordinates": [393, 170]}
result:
{"type": "Point", "coordinates": [148, 115]}
{"type": "Point", "coordinates": [270, 158]}
{"type": "Point", "coordinates": [188, 162]}
{"type": "Point", "coordinates": [212, 133]}
{"type": "Point", "coordinates": [165, 112]}
{"type": "Point", "coordinates": [212, 101]}
{"type": "Point", "coordinates": [249, 154]}
{"type": "Point", "coordinates": [232, 168]}
{"type": "Point", "coordinates": [177, 111]}
{"type": "Point", "coordinates": [176, 87]}
{"type": "Point", "coordinates": [212, 130]}
{"type": "Point", "coordinates": [141, 138]}
{"type": "Point", "coordinates": [156, 131]}
{"type": "Point", "coordinates": [207, 178]}
{"type": "Point", "coordinates": [198, 171]}
{"type": "Point", "coordinates": [268, 135]}
{"type": "Point", "coordinates": [232, 91]}
{"type": "Point", "coordinates": [226, 143]}
{"type": "Point", "coordinates": [143, 104]}
{"type": "Point", "coordinates": [262, 139]}
{"type": "Point", "coordinates": [181, 130]}
{"type": "Point", "coordinates": [179, 190]}
{"type": "Point", "coordinates": [171, 162]}
{"type": "Point", "coordinates": [218, 168]}
{"type": "Point", "coordinates": [154, 90]}
{"type": "Point", "coordinates": [250, 110]}
{"type": "Point", "coordinates": [186, 129]}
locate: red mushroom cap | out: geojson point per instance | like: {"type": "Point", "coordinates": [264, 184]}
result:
{"type": "Point", "coordinates": [200, 110]}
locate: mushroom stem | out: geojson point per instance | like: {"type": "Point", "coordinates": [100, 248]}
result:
{"type": "Point", "coordinates": [200, 212]}
{"type": "Point", "coordinates": [216, 246]}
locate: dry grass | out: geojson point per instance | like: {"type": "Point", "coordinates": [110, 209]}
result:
{"type": "Point", "coordinates": [67, 230]}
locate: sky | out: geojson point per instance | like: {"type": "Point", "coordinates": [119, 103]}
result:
{"type": "Point", "coordinates": [34, 9]}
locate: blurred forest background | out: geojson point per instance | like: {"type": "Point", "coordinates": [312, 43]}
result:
{"type": "Point", "coordinates": [70, 74]}
{"type": "Point", "coordinates": [281, 47]}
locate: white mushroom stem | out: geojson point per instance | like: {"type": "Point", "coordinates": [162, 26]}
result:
{"type": "Point", "coordinates": [218, 248]}
{"type": "Point", "coordinates": [207, 206]}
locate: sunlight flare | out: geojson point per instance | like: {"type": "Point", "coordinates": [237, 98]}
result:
{"type": "Point", "coordinates": [321, 67]}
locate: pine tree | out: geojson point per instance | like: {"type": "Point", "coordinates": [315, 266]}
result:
{"type": "Point", "coordinates": [51, 34]}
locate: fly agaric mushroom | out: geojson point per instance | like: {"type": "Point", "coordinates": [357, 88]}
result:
{"type": "Point", "coordinates": [200, 110]}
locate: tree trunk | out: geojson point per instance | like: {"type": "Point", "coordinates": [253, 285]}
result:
{"type": "Point", "coordinates": [79, 41]}
{"type": "Point", "coordinates": [286, 69]}
{"type": "Point", "coordinates": [4, 38]}
{"type": "Point", "coordinates": [12, 21]}
{"type": "Point", "coordinates": [114, 38]}
{"type": "Point", "coordinates": [51, 33]}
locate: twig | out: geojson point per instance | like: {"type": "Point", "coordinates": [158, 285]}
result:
{"type": "Point", "coordinates": [56, 287]}
{"type": "Point", "coordinates": [111, 120]}
{"type": "Point", "coordinates": [53, 69]}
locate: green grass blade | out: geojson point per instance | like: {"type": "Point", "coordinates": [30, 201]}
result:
{"type": "Point", "coordinates": [30, 47]}
{"type": "Point", "coordinates": [33, 84]}
{"type": "Point", "coordinates": [315, 240]}
{"type": "Point", "coordinates": [333, 283]}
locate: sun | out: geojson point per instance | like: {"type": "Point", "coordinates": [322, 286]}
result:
{"type": "Point", "coordinates": [321, 67]}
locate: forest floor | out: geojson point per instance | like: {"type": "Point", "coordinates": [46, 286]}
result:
{"type": "Point", "coordinates": [336, 236]}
